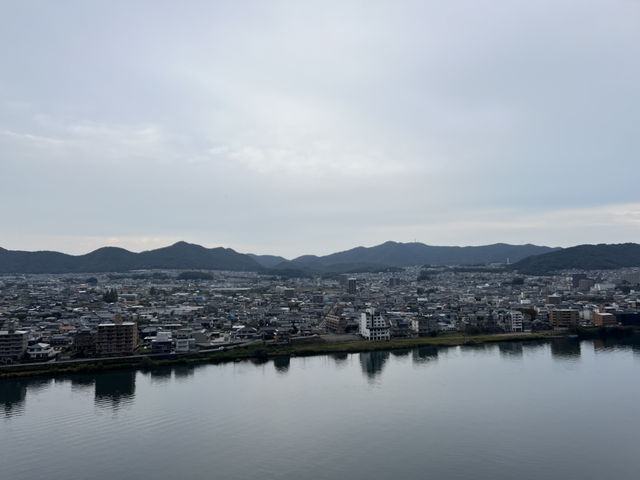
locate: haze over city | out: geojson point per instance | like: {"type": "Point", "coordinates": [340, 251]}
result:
{"type": "Point", "coordinates": [310, 127]}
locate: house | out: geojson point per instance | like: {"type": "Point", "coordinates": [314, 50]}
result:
{"type": "Point", "coordinates": [245, 333]}
{"type": "Point", "coordinates": [162, 343]}
{"type": "Point", "coordinates": [40, 351]}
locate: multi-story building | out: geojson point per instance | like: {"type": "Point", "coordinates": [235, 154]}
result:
{"type": "Point", "coordinates": [336, 323]}
{"type": "Point", "coordinates": [84, 343]}
{"type": "Point", "coordinates": [424, 324]}
{"type": "Point", "coordinates": [513, 321]}
{"type": "Point", "coordinates": [603, 319]}
{"type": "Point", "coordinates": [554, 299]}
{"type": "Point", "coordinates": [352, 287]}
{"type": "Point", "coordinates": [564, 318]}
{"type": "Point", "coordinates": [117, 338]}
{"type": "Point", "coordinates": [374, 326]}
{"type": "Point", "coordinates": [13, 343]}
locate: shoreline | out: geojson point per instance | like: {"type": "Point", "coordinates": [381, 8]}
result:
{"type": "Point", "coordinates": [262, 351]}
{"type": "Point", "coordinates": [307, 346]}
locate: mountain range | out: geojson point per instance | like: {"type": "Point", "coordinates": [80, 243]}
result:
{"type": "Point", "coordinates": [181, 255]}
{"type": "Point", "coordinates": [184, 255]}
{"type": "Point", "coordinates": [582, 257]}
{"type": "Point", "coordinates": [397, 254]}
{"type": "Point", "coordinates": [527, 259]}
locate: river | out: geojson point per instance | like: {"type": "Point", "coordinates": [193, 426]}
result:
{"type": "Point", "coordinates": [559, 409]}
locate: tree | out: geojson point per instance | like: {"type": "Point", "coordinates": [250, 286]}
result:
{"type": "Point", "coordinates": [111, 296]}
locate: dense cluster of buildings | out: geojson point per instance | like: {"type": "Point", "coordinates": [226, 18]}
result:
{"type": "Point", "coordinates": [44, 317]}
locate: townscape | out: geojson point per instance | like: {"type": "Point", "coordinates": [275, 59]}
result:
{"type": "Point", "coordinates": [52, 318]}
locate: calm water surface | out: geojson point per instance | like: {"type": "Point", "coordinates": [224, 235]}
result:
{"type": "Point", "coordinates": [558, 410]}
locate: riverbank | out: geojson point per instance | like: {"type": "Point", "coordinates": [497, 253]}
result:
{"type": "Point", "coordinates": [262, 351]}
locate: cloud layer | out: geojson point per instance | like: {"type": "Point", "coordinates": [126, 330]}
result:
{"type": "Point", "coordinates": [309, 127]}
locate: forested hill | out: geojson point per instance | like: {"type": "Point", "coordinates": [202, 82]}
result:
{"type": "Point", "coordinates": [396, 254]}
{"type": "Point", "coordinates": [582, 257]}
{"type": "Point", "coordinates": [181, 255]}
{"type": "Point", "coordinates": [184, 255]}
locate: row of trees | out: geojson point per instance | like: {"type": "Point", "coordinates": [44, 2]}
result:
{"type": "Point", "coordinates": [110, 296]}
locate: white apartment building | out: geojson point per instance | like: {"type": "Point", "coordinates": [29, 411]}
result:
{"type": "Point", "coordinates": [514, 321]}
{"type": "Point", "coordinates": [373, 326]}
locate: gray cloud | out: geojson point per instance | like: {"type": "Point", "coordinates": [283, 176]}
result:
{"type": "Point", "coordinates": [293, 127]}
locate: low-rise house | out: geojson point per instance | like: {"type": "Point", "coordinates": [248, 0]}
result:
{"type": "Point", "coordinates": [162, 343]}
{"type": "Point", "coordinates": [40, 351]}
{"type": "Point", "coordinates": [185, 345]}
{"type": "Point", "coordinates": [269, 332]}
{"type": "Point", "coordinates": [245, 333]}
{"type": "Point", "coordinates": [202, 337]}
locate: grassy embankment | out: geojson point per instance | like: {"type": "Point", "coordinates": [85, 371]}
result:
{"type": "Point", "coordinates": [262, 351]}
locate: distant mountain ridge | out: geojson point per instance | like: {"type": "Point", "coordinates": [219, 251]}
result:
{"type": "Point", "coordinates": [184, 255]}
{"type": "Point", "coordinates": [267, 261]}
{"type": "Point", "coordinates": [180, 255]}
{"type": "Point", "coordinates": [396, 254]}
{"type": "Point", "coordinates": [582, 257]}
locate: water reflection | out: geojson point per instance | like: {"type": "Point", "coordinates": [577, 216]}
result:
{"type": "Point", "coordinates": [479, 348]}
{"type": "Point", "coordinates": [372, 363]}
{"type": "Point", "coordinates": [82, 382]}
{"type": "Point", "coordinates": [534, 346]}
{"type": "Point", "coordinates": [160, 375]}
{"type": "Point", "coordinates": [401, 353]}
{"type": "Point", "coordinates": [259, 360]}
{"type": "Point", "coordinates": [424, 354]}
{"type": "Point", "coordinates": [13, 393]}
{"type": "Point", "coordinates": [115, 389]}
{"type": "Point", "coordinates": [340, 359]}
{"type": "Point", "coordinates": [565, 348]}
{"type": "Point", "coordinates": [511, 349]}
{"type": "Point", "coordinates": [183, 372]}
{"type": "Point", "coordinates": [281, 364]}
{"type": "Point", "coordinates": [611, 343]}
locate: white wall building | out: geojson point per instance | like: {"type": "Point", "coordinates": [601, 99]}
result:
{"type": "Point", "coordinates": [373, 326]}
{"type": "Point", "coordinates": [514, 321]}
{"type": "Point", "coordinates": [40, 351]}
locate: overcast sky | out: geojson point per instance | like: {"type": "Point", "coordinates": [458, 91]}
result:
{"type": "Point", "coordinates": [311, 127]}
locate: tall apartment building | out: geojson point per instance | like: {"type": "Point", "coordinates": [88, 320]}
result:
{"type": "Point", "coordinates": [374, 326]}
{"type": "Point", "coordinates": [117, 338]}
{"type": "Point", "coordinates": [564, 318]}
{"type": "Point", "coordinates": [514, 320]}
{"type": "Point", "coordinates": [13, 343]}
{"type": "Point", "coordinates": [352, 286]}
